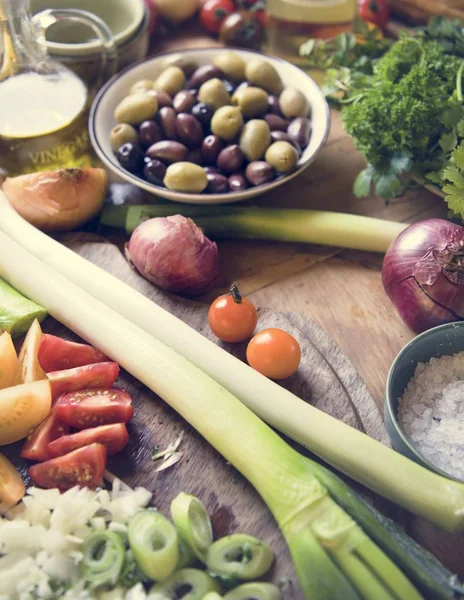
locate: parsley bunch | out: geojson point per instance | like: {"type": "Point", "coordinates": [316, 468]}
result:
{"type": "Point", "coordinates": [403, 104]}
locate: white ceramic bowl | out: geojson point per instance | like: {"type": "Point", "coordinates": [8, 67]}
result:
{"type": "Point", "coordinates": [101, 120]}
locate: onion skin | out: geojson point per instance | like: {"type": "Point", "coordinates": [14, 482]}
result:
{"type": "Point", "coordinates": [175, 255]}
{"type": "Point", "coordinates": [59, 200]}
{"type": "Point", "coordinates": [423, 274]}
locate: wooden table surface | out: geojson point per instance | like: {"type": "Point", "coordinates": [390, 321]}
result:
{"type": "Point", "coordinates": [340, 289]}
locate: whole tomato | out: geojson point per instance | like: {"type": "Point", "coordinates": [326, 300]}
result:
{"type": "Point", "coordinates": [374, 11]}
{"type": "Point", "coordinates": [214, 12]}
{"type": "Point", "coordinates": [243, 29]}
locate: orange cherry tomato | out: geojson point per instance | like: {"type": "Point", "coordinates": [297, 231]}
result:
{"type": "Point", "coordinates": [232, 318]}
{"type": "Point", "coordinates": [274, 353]}
{"type": "Point", "coordinates": [12, 488]}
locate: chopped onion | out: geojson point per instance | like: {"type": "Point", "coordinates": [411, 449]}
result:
{"type": "Point", "coordinates": [174, 254]}
{"type": "Point", "coordinates": [423, 274]}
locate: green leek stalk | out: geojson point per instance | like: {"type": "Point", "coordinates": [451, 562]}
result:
{"type": "Point", "coordinates": [17, 313]}
{"type": "Point", "coordinates": [325, 543]}
{"type": "Point", "coordinates": [286, 225]}
{"type": "Point", "coordinates": [369, 462]}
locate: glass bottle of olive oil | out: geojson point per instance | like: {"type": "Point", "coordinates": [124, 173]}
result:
{"type": "Point", "coordinates": [43, 105]}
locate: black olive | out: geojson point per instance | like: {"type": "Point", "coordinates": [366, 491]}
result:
{"type": "Point", "coordinates": [130, 157]}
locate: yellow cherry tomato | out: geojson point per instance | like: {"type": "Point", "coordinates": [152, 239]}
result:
{"type": "Point", "coordinates": [232, 318]}
{"type": "Point", "coordinates": [12, 488]}
{"type": "Point", "coordinates": [274, 353]}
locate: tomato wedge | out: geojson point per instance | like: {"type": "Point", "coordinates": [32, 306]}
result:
{"type": "Point", "coordinates": [8, 361]}
{"type": "Point", "coordinates": [36, 446]}
{"type": "Point", "coordinates": [83, 467]}
{"type": "Point", "coordinates": [91, 408]}
{"type": "Point", "coordinates": [28, 368]}
{"type": "Point", "coordinates": [12, 487]}
{"type": "Point", "coordinates": [56, 354]}
{"type": "Point", "coordinates": [114, 437]}
{"type": "Point", "coordinates": [99, 375]}
{"type": "Point", "coordinates": [23, 407]}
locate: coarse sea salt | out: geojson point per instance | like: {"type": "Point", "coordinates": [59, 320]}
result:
{"type": "Point", "coordinates": [431, 412]}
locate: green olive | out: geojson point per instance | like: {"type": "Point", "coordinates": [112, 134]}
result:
{"type": "Point", "coordinates": [293, 103]}
{"type": "Point", "coordinates": [141, 86]}
{"type": "Point", "coordinates": [255, 139]}
{"type": "Point", "coordinates": [227, 122]}
{"type": "Point", "coordinates": [171, 81]}
{"type": "Point", "coordinates": [187, 64]}
{"type": "Point", "coordinates": [198, 583]}
{"type": "Point", "coordinates": [254, 591]}
{"type": "Point", "coordinates": [121, 134]}
{"type": "Point", "coordinates": [231, 64]}
{"type": "Point", "coordinates": [263, 74]}
{"type": "Point", "coordinates": [214, 92]}
{"type": "Point", "coordinates": [253, 101]}
{"type": "Point", "coordinates": [185, 177]}
{"type": "Point", "coordinates": [136, 108]}
{"type": "Point", "coordinates": [282, 156]}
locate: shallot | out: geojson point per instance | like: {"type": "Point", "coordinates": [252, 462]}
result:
{"type": "Point", "coordinates": [174, 254]}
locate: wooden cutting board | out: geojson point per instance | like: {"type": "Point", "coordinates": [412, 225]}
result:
{"type": "Point", "coordinates": [326, 379]}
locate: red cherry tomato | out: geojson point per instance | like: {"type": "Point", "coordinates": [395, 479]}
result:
{"type": "Point", "coordinates": [114, 437]}
{"type": "Point", "coordinates": [90, 408]}
{"type": "Point", "coordinates": [100, 375]}
{"type": "Point", "coordinates": [274, 353]}
{"type": "Point", "coordinates": [83, 467]}
{"type": "Point", "coordinates": [214, 12]}
{"type": "Point", "coordinates": [56, 354]}
{"type": "Point", "coordinates": [232, 318]}
{"type": "Point", "coordinates": [36, 446]}
{"type": "Point", "coordinates": [257, 7]}
{"type": "Point", "coordinates": [374, 11]}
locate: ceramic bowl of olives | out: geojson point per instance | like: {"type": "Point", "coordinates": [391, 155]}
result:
{"type": "Point", "coordinates": [209, 126]}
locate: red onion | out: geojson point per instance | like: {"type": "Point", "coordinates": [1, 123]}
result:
{"type": "Point", "coordinates": [173, 253]}
{"type": "Point", "coordinates": [423, 274]}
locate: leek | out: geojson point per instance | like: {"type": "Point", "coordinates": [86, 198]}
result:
{"type": "Point", "coordinates": [193, 524]}
{"type": "Point", "coordinates": [369, 462]}
{"type": "Point", "coordinates": [197, 582]}
{"type": "Point", "coordinates": [254, 591]}
{"type": "Point", "coordinates": [239, 555]}
{"type": "Point", "coordinates": [17, 313]}
{"type": "Point", "coordinates": [286, 225]}
{"type": "Point", "coordinates": [103, 558]}
{"type": "Point", "coordinates": [154, 544]}
{"type": "Point", "coordinates": [324, 542]}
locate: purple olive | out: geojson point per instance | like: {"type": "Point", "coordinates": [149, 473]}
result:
{"type": "Point", "coordinates": [168, 151]}
{"type": "Point", "coordinates": [167, 118]}
{"type": "Point", "coordinates": [204, 73]}
{"type": "Point", "coordinates": [274, 106]}
{"type": "Point", "coordinates": [300, 131]}
{"type": "Point", "coordinates": [183, 101]}
{"type": "Point", "coordinates": [195, 156]}
{"type": "Point", "coordinates": [211, 147]}
{"type": "Point", "coordinates": [130, 157]}
{"type": "Point", "coordinates": [231, 159]}
{"type": "Point", "coordinates": [237, 183]}
{"type": "Point", "coordinates": [282, 136]}
{"type": "Point", "coordinates": [276, 123]}
{"type": "Point", "coordinates": [230, 86]}
{"type": "Point", "coordinates": [149, 133]}
{"type": "Point", "coordinates": [189, 130]}
{"type": "Point", "coordinates": [217, 183]}
{"type": "Point", "coordinates": [259, 172]}
{"type": "Point", "coordinates": [154, 171]}
{"type": "Point", "coordinates": [203, 113]}
{"type": "Point", "coordinates": [163, 98]}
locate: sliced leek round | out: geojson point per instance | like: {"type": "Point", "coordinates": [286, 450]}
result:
{"type": "Point", "coordinates": [103, 558]}
{"type": "Point", "coordinates": [254, 591]}
{"type": "Point", "coordinates": [185, 584]}
{"type": "Point", "coordinates": [239, 555]}
{"type": "Point", "coordinates": [193, 523]}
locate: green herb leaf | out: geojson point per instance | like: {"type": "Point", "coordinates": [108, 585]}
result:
{"type": "Point", "coordinates": [388, 185]}
{"type": "Point", "coordinates": [448, 141]}
{"type": "Point", "coordinates": [363, 182]}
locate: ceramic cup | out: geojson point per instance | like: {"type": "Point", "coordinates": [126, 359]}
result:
{"type": "Point", "coordinates": [75, 45]}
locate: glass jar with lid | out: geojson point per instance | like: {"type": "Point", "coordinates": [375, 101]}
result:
{"type": "Point", "coordinates": [290, 23]}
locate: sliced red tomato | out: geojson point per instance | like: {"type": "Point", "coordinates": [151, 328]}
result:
{"type": "Point", "coordinates": [56, 354]}
{"type": "Point", "coordinates": [91, 408]}
{"type": "Point", "coordinates": [100, 375]}
{"type": "Point", "coordinates": [83, 467]}
{"type": "Point", "coordinates": [114, 437]}
{"type": "Point", "coordinates": [36, 446]}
